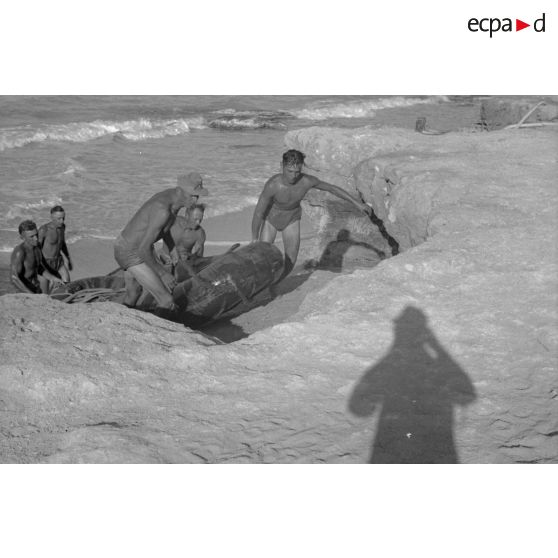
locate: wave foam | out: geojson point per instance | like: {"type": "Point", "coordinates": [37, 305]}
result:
{"type": "Point", "coordinates": [134, 130]}
{"type": "Point", "coordinates": [232, 119]}
{"type": "Point", "coordinates": [22, 210]}
{"type": "Point", "coordinates": [235, 206]}
{"type": "Point", "coordinates": [7, 247]}
{"type": "Point", "coordinates": [73, 169]}
{"type": "Point", "coordinates": [359, 109]}
{"type": "Point", "coordinates": [255, 123]}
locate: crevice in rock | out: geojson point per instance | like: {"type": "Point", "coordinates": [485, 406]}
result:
{"type": "Point", "coordinates": [393, 244]}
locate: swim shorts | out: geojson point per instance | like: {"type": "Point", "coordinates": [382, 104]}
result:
{"type": "Point", "coordinates": [282, 218]}
{"type": "Point", "coordinates": [126, 255]}
{"type": "Point", "coordinates": [34, 283]}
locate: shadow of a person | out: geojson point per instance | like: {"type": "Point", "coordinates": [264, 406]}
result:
{"type": "Point", "coordinates": [332, 256]}
{"type": "Point", "coordinates": [417, 385]}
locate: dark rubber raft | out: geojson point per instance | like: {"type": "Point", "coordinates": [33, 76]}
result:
{"type": "Point", "coordinates": [224, 282]}
{"type": "Point", "coordinates": [229, 280]}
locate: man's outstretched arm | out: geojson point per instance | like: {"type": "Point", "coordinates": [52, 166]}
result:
{"type": "Point", "coordinates": [199, 246]}
{"type": "Point", "coordinates": [196, 252]}
{"type": "Point", "coordinates": [42, 235]}
{"type": "Point", "coordinates": [340, 193]}
{"type": "Point", "coordinates": [264, 201]}
{"type": "Point", "coordinates": [66, 252]}
{"type": "Point", "coordinates": [157, 220]}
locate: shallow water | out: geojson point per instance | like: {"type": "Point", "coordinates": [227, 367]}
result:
{"type": "Point", "coordinates": [100, 157]}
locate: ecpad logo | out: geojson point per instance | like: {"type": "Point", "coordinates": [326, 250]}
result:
{"type": "Point", "coordinates": [493, 25]}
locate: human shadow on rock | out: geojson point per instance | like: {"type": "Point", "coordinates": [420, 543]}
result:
{"type": "Point", "coordinates": [415, 388]}
{"type": "Point", "coordinates": [333, 254]}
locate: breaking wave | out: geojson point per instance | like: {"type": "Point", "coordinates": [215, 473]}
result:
{"type": "Point", "coordinates": [246, 124]}
{"type": "Point", "coordinates": [23, 210]}
{"type": "Point", "coordinates": [322, 110]}
{"type": "Point", "coordinates": [7, 247]}
{"type": "Point", "coordinates": [231, 205]}
{"type": "Point", "coordinates": [134, 130]}
{"type": "Point", "coordinates": [231, 119]}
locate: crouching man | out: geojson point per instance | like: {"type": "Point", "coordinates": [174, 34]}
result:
{"type": "Point", "coordinates": [133, 249]}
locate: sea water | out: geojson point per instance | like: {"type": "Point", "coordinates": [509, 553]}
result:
{"type": "Point", "coordinates": [101, 157]}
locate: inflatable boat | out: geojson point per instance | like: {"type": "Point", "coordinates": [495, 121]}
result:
{"type": "Point", "coordinates": [221, 283]}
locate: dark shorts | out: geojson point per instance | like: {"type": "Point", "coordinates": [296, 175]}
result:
{"type": "Point", "coordinates": [282, 218]}
{"type": "Point", "coordinates": [34, 282]}
{"type": "Point", "coordinates": [125, 255]}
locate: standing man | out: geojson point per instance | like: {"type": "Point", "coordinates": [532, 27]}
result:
{"type": "Point", "coordinates": [52, 242]}
{"type": "Point", "coordinates": [133, 249]}
{"type": "Point", "coordinates": [278, 207]}
{"type": "Point", "coordinates": [27, 266]}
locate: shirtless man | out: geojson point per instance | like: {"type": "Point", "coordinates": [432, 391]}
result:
{"type": "Point", "coordinates": [187, 233]}
{"type": "Point", "coordinates": [133, 249]}
{"type": "Point", "coordinates": [53, 245]}
{"type": "Point", "coordinates": [189, 239]}
{"type": "Point", "coordinates": [27, 265]}
{"type": "Point", "coordinates": [278, 207]}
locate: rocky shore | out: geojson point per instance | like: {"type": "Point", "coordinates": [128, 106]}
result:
{"type": "Point", "coordinates": [446, 352]}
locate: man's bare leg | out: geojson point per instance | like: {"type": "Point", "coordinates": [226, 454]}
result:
{"type": "Point", "coordinates": [133, 290]}
{"type": "Point", "coordinates": [291, 245]}
{"type": "Point", "coordinates": [44, 284]}
{"type": "Point", "coordinates": [269, 232]}
{"type": "Point", "coordinates": [147, 278]}
{"type": "Point", "coordinates": [64, 273]}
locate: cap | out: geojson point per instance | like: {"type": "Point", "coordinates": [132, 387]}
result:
{"type": "Point", "coordinates": [192, 183]}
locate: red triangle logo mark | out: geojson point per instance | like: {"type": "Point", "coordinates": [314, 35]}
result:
{"type": "Point", "coordinates": [519, 25]}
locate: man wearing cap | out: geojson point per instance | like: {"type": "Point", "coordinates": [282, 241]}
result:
{"type": "Point", "coordinates": [133, 249]}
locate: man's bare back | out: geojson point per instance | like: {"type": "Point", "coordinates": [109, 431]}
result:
{"type": "Point", "coordinates": [151, 222]}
